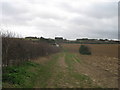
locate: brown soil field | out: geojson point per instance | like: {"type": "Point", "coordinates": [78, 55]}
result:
{"type": "Point", "coordinates": [104, 57]}
{"type": "Point", "coordinates": [110, 50]}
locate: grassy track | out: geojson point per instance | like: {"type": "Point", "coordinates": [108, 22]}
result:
{"type": "Point", "coordinates": [59, 72]}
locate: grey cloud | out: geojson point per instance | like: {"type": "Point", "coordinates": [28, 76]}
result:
{"type": "Point", "coordinates": [62, 18]}
{"type": "Point", "coordinates": [96, 10]}
{"type": "Point", "coordinates": [11, 9]}
{"type": "Point", "coordinates": [14, 15]}
{"type": "Point", "coordinates": [103, 10]}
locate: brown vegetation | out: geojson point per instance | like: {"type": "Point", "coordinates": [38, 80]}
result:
{"type": "Point", "coordinates": [18, 50]}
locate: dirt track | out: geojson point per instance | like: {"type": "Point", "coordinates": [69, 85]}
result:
{"type": "Point", "coordinates": [71, 70]}
{"type": "Point", "coordinates": [62, 77]}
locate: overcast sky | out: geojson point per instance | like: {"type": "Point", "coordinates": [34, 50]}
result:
{"type": "Point", "coordinates": [70, 19]}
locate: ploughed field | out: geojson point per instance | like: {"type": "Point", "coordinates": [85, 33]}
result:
{"type": "Point", "coordinates": [104, 57]}
{"type": "Point", "coordinates": [110, 50]}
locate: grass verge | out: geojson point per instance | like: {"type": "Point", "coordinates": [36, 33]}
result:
{"type": "Point", "coordinates": [28, 75]}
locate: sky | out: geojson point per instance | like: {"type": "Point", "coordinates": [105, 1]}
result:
{"type": "Point", "coordinates": [70, 19]}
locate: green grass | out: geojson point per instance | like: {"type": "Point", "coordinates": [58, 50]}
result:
{"type": "Point", "coordinates": [69, 61]}
{"type": "Point", "coordinates": [19, 76]}
{"type": "Point", "coordinates": [76, 58]}
{"type": "Point", "coordinates": [25, 75]}
{"type": "Point", "coordinates": [45, 72]}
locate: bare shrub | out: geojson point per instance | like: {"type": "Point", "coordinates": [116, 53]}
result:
{"type": "Point", "coordinates": [17, 50]}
